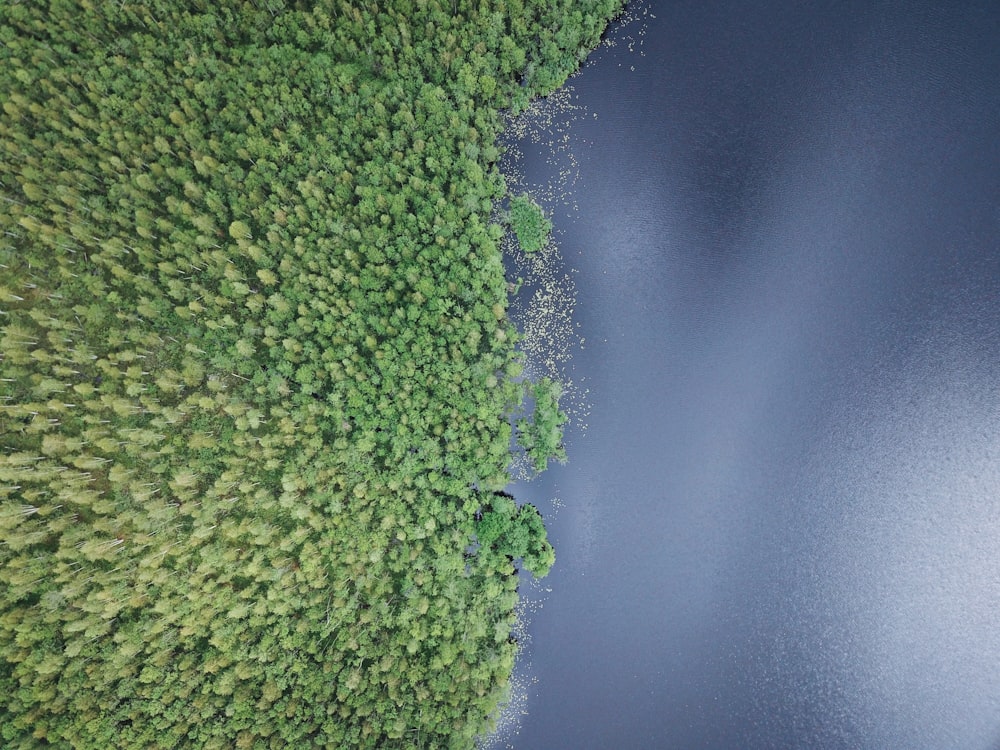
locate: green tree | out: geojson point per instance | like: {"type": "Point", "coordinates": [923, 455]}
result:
{"type": "Point", "coordinates": [515, 532]}
{"type": "Point", "coordinates": [255, 367]}
{"type": "Point", "coordinates": [529, 223]}
{"type": "Point", "coordinates": [541, 436]}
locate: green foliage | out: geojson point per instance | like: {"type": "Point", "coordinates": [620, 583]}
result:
{"type": "Point", "coordinates": [541, 436]}
{"type": "Point", "coordinates": [515, 532]}
{"type": "Point", "coordinates": [529, 223]}
{"type": "Point", "coordinates": [255, 368]}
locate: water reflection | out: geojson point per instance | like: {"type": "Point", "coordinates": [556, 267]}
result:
{"type": "Point", "coordinates": [781, 526]}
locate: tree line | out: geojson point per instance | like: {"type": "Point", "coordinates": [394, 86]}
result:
{"type": "Point", "coordinates": [256, 370]}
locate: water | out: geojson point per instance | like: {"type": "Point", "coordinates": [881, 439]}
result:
{"type": "Point", "coordinates": [781, 528]}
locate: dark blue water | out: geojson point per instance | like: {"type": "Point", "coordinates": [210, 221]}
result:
{"type": "Point", "coordinates": [782, 527]}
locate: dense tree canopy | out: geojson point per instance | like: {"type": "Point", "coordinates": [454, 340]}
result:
{"type": "Point", "coordinates": [529, 223]}
{"type": "Point", "coordinates": [256, 368]}
{"type": "Point", "coordinates": [516, 532]}
{"type": "Point", "coordinates": [541, 436]}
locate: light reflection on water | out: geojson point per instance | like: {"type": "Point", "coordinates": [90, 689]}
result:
{"type": "Point", "coordinates": [782, 526]}
{"type": "Point", "coordinates": [917, 582]}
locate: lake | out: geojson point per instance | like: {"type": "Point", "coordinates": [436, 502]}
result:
{"type": "Point", "coordinates": [781, 525]}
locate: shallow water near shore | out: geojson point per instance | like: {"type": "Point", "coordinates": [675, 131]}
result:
{"type": "Point", "coordinates": [781, 525]}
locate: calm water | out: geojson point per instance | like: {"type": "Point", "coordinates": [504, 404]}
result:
{"type": "Point", "coordinates": [782, 527]}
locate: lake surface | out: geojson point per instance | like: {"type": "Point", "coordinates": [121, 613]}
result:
{"type": "Point", "coordinates": [781, 528]}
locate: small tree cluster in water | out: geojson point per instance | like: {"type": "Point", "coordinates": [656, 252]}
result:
{"type": "Point", "coordinates": [256, 366]}
{"type": "Point", "coordinates": [529, 223]}
{"type": "Point", "coordinates": [541, 436]}
{"type": "Point", "coordinates": [515, 532]}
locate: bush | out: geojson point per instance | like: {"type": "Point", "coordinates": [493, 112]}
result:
{"type": "Point", "coordinates": [529, 223]}
{"type": "Point", "coordinates": [542, 435]}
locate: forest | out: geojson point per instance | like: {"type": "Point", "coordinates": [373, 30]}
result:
{"type": "Point", "coordinates": [256, 375]}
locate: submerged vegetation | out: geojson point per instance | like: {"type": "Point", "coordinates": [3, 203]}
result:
{"type": "Point", "coordinates": [256, 369]}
